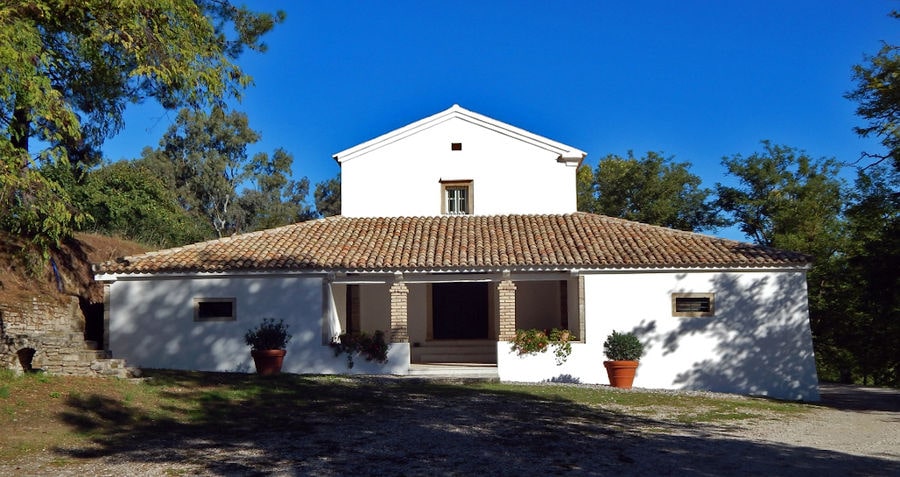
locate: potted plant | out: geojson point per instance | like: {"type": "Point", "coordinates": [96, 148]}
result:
{"type": "Point", "coordinates": [623, 350]}
{"type": "Point", "coordinates": [267, 345]}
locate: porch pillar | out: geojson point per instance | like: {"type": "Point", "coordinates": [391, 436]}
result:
{"type": "Point", "coordinates": [399, 297]}
{"type": "Point", "coordinates": [506, 297]}
{"type": "Point", "coordinates": [106, 306]}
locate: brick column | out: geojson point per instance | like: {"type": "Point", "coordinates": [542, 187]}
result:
{"type": "Point", "coordinates": [399, 310]}
{"type": "Point", "coordinates": [506, 296]}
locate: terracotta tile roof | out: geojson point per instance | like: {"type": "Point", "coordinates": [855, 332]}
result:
{"type": "Point", "coordinates": [515, 242]}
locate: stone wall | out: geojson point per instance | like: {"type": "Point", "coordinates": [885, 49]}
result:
{"type": "Point", "coordinates": [49, 336]}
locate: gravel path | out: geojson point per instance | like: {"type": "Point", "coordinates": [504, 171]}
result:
{"type": "Point", "coordinates": [855, 431]}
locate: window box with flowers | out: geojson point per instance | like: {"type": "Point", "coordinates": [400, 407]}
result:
{"type": "Point", "coordinates": [535, 341]}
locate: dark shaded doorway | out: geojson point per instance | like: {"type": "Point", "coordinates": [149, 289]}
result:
{"type": "Point", "coordinates": [460, 311]}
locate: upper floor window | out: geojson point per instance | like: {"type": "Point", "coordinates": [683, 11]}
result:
{"type": "Point", "coordinates": [456, 197]}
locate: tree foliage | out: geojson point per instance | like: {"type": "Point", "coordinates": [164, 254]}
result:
{"type": "Point", "coordinates": [861, 326]}
{"type": "Point", "coordinates": [71, 68]}
{"type": "Point", "coordinates": [126, 199]}
{"type": "Point", "coordinates": [653, 190]}
{"type": "Point", "coordinates": [276, 199]}
{"type": "Point", "coordinates": [203, 158]}
{"type": "Point", "coordinates": [877, 93]}
{"type": "Point", "coordinates": [785, 199]}
{"type": "Point", "coordinates": [328, 197]}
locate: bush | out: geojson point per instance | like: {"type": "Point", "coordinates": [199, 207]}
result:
{"type": "Point", "coordinates": [373, 348]}
{"type": "Point", "coordinates": [268, 335]}
{"type": "Point", "coordinates": [623, 347]}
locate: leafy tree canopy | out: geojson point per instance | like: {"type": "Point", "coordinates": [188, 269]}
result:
{"type": "Point", "coordinates": [203, 158]}
{"type": "Point", "coordinates": [328, 197]}
{"type": "Point", "coordinates": [275, 200]}
{"type": "Point", "coordinates": [126, 199]}
{"type": "Point", "coordinates": [877, 93]}
{"type": "Point", "coordinates": [70, 69]}
{"type": "Point", "coordinates": [652, 189]}
{"type": "Point", "coordinates": [785, 199]}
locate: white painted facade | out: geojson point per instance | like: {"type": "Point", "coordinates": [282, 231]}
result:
{"type": "Point", "coordinates": [757, 342]}
{"type": "Point", "coordinates": [152, 325]}
{"type": "Point", "coordinates": [512, 171]}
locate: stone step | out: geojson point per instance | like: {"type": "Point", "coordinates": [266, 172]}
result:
{"type": "Point", "coordinates": [456, 357]}
{"type": "Point", "coordinates": [455, 351]}
{"type": "Point", "coordinates": [95, 354]}
{"type": "Point", "coordinates": [114, 367]}
{"type": "Point", "coordinates": [454, 371]}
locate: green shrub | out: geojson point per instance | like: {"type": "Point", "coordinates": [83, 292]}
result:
{"type": "Point", "coordinates": [623, 347]}
{"type": "Point", "coordinates": [268, 335]}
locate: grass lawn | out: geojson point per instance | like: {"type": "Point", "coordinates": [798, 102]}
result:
{"type": "Point", "coordinates": [80, 418]}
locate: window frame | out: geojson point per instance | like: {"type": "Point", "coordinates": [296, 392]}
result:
{"type": "Point", "coordinates": [463, 185]}
{"type": "Point", "coordinates": [694, 314]}
{"type": "Point", "coordinates": [198, 301]}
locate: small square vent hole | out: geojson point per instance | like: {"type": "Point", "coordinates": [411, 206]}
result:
{"type": "Point", "coordinates": [456, 146]}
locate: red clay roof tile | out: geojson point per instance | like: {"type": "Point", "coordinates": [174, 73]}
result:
{"type": "Point", "coordinates": [578, 240]}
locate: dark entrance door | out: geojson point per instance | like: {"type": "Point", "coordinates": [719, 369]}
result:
{"type": "Point", "coordinates": [460, 311]}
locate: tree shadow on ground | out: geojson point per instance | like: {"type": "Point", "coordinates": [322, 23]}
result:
{"type": "Point", "coordinates": [376, 426]}
{"type": "Point", "coordinates": [847, 397]}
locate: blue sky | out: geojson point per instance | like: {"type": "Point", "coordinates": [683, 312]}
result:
{"type": "Point", "coordinates": [697, 80]}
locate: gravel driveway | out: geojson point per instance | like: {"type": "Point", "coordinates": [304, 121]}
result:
{"type": "Point", "coordinates": [854, 431]}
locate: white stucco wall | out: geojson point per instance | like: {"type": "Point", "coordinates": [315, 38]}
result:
{"type": "Point", "coordinates": [510, 176]}
{"type": "Point", "coordinates": [152, 325]}
{"type": "Point", "coordinates": [758, 342]}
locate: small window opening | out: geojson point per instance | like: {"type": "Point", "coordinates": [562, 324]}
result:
{"type": "Point", "coordinates": [214, 309]}
{"type": "Point", "coordinates": [456, 146]}
{"type": "Point", "coordinates": [693, 304]}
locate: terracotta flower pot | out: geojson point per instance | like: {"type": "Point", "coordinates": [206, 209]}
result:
{"type": "Point", "coordinates": [621, 373]}
{"type": "Point", "coordinates": [268, 361]}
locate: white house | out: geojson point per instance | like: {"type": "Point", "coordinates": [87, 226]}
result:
{"type": "Point", "coordinates": [457, 230]}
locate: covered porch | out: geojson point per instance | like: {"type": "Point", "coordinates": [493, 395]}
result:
{"type": "Point", "coordinates": [448, 318]}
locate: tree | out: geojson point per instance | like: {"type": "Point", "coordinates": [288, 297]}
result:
{"type": "Point", "coordinates": [125, 198]}
{"type": "Point", "coordinates": [653, 190]}
{"type": "Point", "coordinates": [71, 68]}
{"type": "Point", "coordinates": [585, 189]}
{"type": "Point", "coordinates": [328, 197]}
{"type": "Point", "coordinates": [785, 199]}
{"type": "Point", "coordinates": [203, 159]}
{"type": "Point", "coordinates": [871, 273]}
{"type": "Point", "coordinates": [276, 200]}
{"type": "Point", "coordinates": [878, 94]}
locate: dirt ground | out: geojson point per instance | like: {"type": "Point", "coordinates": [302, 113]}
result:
{"type": "Point", "coordinates": [853, 431]}
{"type": "Point", "coordinates": [853, 420]}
